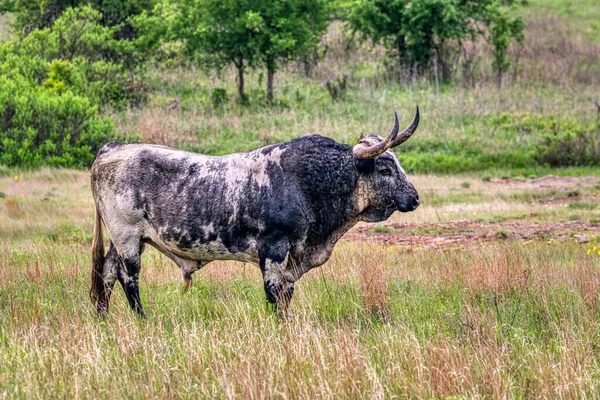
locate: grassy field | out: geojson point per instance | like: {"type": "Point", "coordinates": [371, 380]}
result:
{"type": "Point", "coordinates": [490, 289]}
{"type": "Point", "coordinates": [502, 315]}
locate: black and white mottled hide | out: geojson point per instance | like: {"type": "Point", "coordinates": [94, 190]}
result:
{"type": "Point", "coordinates": [281, 207]}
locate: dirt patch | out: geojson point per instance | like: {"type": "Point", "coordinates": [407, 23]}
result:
{"type": "Point", "coordinates": [550, 182]}
{"type": "Point", "coordinates": [444, 234]}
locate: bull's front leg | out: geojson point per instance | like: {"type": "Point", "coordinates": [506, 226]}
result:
{"type": "Point", "coordinates": [273, 262]}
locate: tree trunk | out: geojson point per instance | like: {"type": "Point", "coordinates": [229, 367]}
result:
{"type": "Point", "coordinates": [401, 48]}
{"type": "Point", "coordinates": [270, 75]}
{"type": "Point", "coordinates": [499, 78]}
{"type": "Point", "coordinates": [436, 75]}
{"type": "Point", "coordinates": [307, 66]}
{"type": "Point", "coordinates": [240, 68]}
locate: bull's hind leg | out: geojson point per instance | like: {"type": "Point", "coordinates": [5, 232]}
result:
{"type": "Point", "coordinates": [129, 275]}
{"type": "Point", "coordinates": [112, 264]}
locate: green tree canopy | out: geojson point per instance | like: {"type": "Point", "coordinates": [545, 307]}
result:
{"type": "Point", "coordinates": [244, 33]}
{"type": "Point", "coordinates": [419, 30]}
{"type": "Point", "coordinates": [39, 14]}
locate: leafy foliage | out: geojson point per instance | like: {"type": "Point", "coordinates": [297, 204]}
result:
{"type": "Point", "coordinates": [40, 14]}
{"type": "Point", "coordinates": [426, 31]}
{"type": "Point", "coordinates": [40, 126]}
{"type": "Point", "coordinates": [570, 143]}
{"type": "Point", "coordinates": [78, 54]}
{"type": "Point", "coordinates": [562, 142]}
{"type": "Point", "coordinates": [503, 31]}
{"type": "Point", "coordinates": [52, 86]}
{"type": "Point", "coordinates": [246, 34]}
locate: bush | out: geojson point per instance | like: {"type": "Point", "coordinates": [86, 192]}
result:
{"type": "Point", "coordinates": [36, 14]}
{"type": "Point", "coordinates": [570, 145]}
{"type": "Point", "coordinates": [219, 97]}
{"type": "Point", "coordinates": [39, 126]}
{"type": "Point", "coordinates": [563, 142]}
{"type": "Point", "coordinates": [53, 84]}
{"type": "Point", "coordinates": [80, 55]}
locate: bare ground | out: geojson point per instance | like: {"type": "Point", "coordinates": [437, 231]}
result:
{"type": "Point", "coordinates": [462, 232]}
{"type": "Point", "coordinates": [452, 233]}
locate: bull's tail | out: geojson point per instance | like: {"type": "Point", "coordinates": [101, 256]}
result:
{"type": "Point", "coordinates": [97, 288]}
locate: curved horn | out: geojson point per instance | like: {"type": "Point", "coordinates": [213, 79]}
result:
{"type": "Point", "coordinates": [405, 134]}
{"type": "Point", "coordinates": [363, 151]}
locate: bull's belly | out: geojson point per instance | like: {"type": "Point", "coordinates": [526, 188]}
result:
{"type": "Point", "coordinates": [208, 251]}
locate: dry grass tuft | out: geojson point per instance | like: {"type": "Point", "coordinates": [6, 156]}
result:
{"type": "Point", "coordinates": [374, 281]}
{"type": "Point", "coordinates": [12, 206]}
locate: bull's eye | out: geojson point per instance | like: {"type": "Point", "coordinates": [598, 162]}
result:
{"type": "Point", "coordinates": [385, 172]}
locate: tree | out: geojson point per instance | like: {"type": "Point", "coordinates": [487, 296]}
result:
{"type": "Point", "coordinates": [419, 30]}
{"type": "Point", "coordinates": [215, 32]}
{"type": "Point", "coordinates": [288, 29]}
{"type": "Point", "coordinates": [244, 33]}
{"type": "Point", "coordinates": [504, 30]}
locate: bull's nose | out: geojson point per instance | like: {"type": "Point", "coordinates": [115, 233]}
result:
{"type": "Point", "coordinates": [415, 202]}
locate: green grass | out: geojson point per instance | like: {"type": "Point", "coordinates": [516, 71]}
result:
{"type": "Point", "coordinates": [473, 320]}
{"type": "Point", "coordinates": [583, 205]}
{"type": "Point", "coordinates": [450, 329]}
{"type": "Point", "coordinates": [502, 318]}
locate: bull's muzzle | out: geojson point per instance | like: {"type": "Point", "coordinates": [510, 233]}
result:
{"type": "Point", "coordinates": [409, 203]}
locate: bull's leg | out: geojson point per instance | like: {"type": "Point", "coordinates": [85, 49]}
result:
{"type": "Point", "coordinates": [112, 264]}
{"type": "Point", "coordinates": [129, 276]}
{"type": "Point", "coordinates": [273, 262]}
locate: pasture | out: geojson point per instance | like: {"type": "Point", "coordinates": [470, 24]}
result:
{"type": "Point", "coordinates": [490, 289]}
{"type": "Point", "coordinates": [503, 302]}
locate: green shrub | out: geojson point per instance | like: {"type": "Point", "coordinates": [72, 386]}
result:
{"type": "Point", "coordinates": [564, 142]}
{"type": "Point", "coordinates": [36, 14]}
{"type": "Point", "coordinates": [382, 229]}
{"type": "Point", "coordinates": [39, 126]}
{"type": "Point", "coordinates": [219, 97]}
{"type": "Point", "coordinates": [582, 205]}
{"type": "Point", "coordinates": [80, 55]}
{"type": "Point", "coordinates": [53, 84]}
{"type": "Point", "coordinates": [556, 141]}
{"type": "Point", "coordinates": [574, 145]}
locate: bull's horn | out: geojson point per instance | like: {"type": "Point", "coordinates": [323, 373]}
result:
{"type": "Point", "coordinates": [405, 134]}
{"type": "Point", "coordinates": [363, 151]}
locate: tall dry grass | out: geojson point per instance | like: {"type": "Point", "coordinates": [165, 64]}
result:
{"type": "Point", "coordinates": [444, 334]}
{"type": "Point", "coordinates": [497, 320]}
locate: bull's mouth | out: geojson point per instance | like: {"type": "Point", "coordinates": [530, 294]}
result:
{"type": "Point", "coordinates": [408, 205]}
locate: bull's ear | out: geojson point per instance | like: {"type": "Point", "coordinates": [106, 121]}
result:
{"type": "Point", "coordinates": [366, 166]}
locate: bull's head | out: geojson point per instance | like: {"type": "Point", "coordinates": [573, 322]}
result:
{"type": "Point", "coordinates": [384, 185]}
